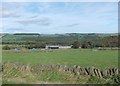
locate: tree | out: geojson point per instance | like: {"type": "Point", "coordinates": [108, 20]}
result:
{"type": "Point", "coordinates": [84, 45]}
{"type": "Point", "coordinates": [76, 45]}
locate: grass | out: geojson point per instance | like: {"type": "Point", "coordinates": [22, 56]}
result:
{"type": "Point", "coordinates": [84, 57]}
{"type": "Point", "coordinates": [13, 75]}
{"type": "Point", "coordinates": [100, 59]}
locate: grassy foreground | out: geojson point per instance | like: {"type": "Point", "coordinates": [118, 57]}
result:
{"type": "Point", "coordinates": [84, 57]}
{"type": "Point", "coordinates": [46, 74]}
{"type": "Point", "coordinates": [100, 59]}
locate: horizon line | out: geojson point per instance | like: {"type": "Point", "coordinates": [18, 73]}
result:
{"type": "Point", "coordinates": [62, 33]}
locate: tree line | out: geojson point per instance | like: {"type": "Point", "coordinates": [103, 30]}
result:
{"type": "Point", "coordinates": [75, 40]}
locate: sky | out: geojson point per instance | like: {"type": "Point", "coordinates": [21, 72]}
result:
{"type": "Point", "coordinates": [59, 17]}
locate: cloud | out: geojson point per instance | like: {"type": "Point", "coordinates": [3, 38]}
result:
{"type": "Point", "coordinates": [12, 9]}
{"type": "Point", "coordinates": [34, 16]}
{"type": "Point", "coordinates": [42, 21]}
{"type": "Point", "coordinates": [61, 17]}
{"type": "Point", "coordinates": [16, 9]}
{"type": "Point", "coordinates": [44, 6]}
{"type": "Point", "coordinates": [6, 14]}
{"type": "Point", "coordinates": [15, 29]}
{"type": "Point", "coordinates": [72, 25]}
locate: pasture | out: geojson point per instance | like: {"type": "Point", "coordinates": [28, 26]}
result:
{"type": "Point", "coordinates": [84, 57]}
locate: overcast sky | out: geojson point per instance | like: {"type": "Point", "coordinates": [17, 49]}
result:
{"type": "Point", "coordinates": [59, 17]}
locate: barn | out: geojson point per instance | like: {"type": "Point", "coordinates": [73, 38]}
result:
{"type": "Point", "coordinates": [57, 47]}
{"type": "Point", "coordinates": [52, 47]}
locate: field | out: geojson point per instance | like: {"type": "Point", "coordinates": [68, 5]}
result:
{"type": "Point", "coordinates": [84, 57]}
{"type": "Point", "coordinates": [101, 59]}
{"type": "Point", "coordinates": [32, 64]}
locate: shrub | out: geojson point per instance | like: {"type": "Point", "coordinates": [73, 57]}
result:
{"type": "Point", "coordinates": [76, 45]}
{"type": "Point", "coordinates": [6, 47]}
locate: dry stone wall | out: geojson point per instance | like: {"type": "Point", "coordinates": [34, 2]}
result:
{"type": "Point", "coordinates": [75, 70]}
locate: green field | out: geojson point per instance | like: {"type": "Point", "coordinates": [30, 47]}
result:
{"type": "Point", "coordinates": [83, 57]}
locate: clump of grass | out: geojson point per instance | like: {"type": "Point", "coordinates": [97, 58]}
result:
{"type": "Point", "coordinates": [96, 80]}
{"type": "Point", "coordinates": [51, 76]}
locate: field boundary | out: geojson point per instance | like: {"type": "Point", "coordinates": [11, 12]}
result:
{"type": "Point", "coordinates": [74, 70]}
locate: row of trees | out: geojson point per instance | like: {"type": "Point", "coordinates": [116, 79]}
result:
{"type": "Point", "coordinates": [77, 44]}
{"type": "Point", "coordinates": [111, 41]}
{"type": "Point", "coordinates": [35, 46]}
{"type": "Point", "coordinates": [30, 46]}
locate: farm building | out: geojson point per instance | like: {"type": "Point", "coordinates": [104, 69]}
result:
{"type": "Point", "coordinates": [65, 47]}
{"type": "Point", "coordinates": [52, 47]}
{"type": "Point", "coordinates": [57, 47]}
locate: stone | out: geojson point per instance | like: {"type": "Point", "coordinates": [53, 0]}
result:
{"type": "Point", "coordinates": [91, 69]}
{"type": "Point", "coordinates": [99, 73]}
{"type": "Point", "coordinates": [116, 71]}
{"type": "Point", "coordinates": [87, 70]}
{"type": "Point", "coordinates": [95, 72]}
